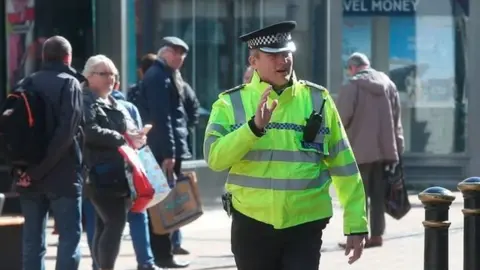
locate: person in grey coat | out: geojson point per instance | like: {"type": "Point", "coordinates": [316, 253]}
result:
{"type": "Point", "coordinates": [369, 106]}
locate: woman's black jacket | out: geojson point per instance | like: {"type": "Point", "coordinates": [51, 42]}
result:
{"type": "Point", "coordinates": [105, 125]}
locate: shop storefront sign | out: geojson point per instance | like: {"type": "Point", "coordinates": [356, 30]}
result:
{"type": "Point", "coordinates": [380, 7]}
{"type": "Point", "coordinates": [403, 7]}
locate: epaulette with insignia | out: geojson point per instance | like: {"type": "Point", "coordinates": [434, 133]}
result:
{"type": "Point", "coordinates": [234, 89]}
{"type": "Point", "coordinates": [313, 85]}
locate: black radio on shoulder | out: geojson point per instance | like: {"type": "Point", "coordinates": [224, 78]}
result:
{"type": "Point", "coordinates": [314, 123]}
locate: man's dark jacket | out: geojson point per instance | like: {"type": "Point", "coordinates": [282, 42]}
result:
{"type": "Point", "coordinates": [192, 106]}
{"type": "Point", "coordinates": [59, 172]}
{"type": "Point", "coordinates": [168, 137]}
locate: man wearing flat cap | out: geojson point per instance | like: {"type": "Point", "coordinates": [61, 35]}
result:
{"type": "Point", "coordinates": [283, 143]}
{"type": "Point", "coordinates": [162, 93]}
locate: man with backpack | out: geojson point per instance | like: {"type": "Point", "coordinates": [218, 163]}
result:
{"type": "Point", "coordinates": [54, 179]}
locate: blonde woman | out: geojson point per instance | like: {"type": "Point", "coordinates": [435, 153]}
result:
{"type": "Point", "coordinates": [106, 122]}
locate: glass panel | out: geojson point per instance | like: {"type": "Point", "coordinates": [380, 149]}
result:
{"type": "Point", "coordinates": [357, 37]}
{"type": "Point", "coordinates": [427, 68]}
{"type": "Point", "coordinates": [217, 59]}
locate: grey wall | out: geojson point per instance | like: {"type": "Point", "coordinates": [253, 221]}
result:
{"type": "Point", "coordinates": [108, 30]}
{"type": "Point", "coordinates": [473, 93]}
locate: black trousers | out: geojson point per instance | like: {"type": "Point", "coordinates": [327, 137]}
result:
{"type": "Point", "coordinates": [161, 243]}
{"type": "Point", "coordinates": [110, 219]}
{"type": "Point", "coordinates": [374, 184]}
{"type": "Point", "coordinates": [258, 246]}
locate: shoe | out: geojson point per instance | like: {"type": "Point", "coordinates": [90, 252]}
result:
{"type": "Point", "coordinates": [149, 267]}
{"type": "Point", "coordinates": [374, 241]}
{"type": "Point", "coordinates": [172, 263]}
{"type": "Point", "coordinates": [180, 251]}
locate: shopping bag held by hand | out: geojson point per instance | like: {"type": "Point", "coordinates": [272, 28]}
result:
{"type": "Point", "coordinates": [141, 191]}
{"type": "Point", "coordinates": [155, 175]}
{"type": "Point", "coordinates": [181, 207]}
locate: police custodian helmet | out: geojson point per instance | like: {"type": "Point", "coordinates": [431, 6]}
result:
{"type": "Point", "coordinates": [272, 39]}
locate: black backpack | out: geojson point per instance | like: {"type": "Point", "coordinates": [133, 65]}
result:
{"type": "Point", "coordinates": [136, 96]}
{"type": "Point", "coordinates": [23, 131]}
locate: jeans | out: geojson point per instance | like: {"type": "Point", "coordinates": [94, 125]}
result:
{"type": "Point", "coordinates": [89, 215]}
{"type": "Point", "coordinates": [140, 234]}
{"type": "Point", "coordinates": [67, 215]}
{"type": "Point", "coordinates": [138, 231]}
{"type": "Point", "coordinates": [177, 238]}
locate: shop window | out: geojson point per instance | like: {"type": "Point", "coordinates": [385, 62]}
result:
{"type": "Point", "coordinates": [425, 57]}
{"type": "Point", "coordinates": [211, 28]}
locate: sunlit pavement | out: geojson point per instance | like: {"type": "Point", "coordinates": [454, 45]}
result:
{"type": "Point", "coordinates": [208, 240]}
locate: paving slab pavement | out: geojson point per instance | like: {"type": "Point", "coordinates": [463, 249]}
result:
{"type": "Point", "coordinates": [209, 241]}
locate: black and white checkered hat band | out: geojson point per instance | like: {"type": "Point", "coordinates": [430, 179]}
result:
{"type": "Point", "coordinates": [265, 41]}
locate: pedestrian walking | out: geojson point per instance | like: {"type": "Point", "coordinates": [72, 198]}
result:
{"type": "Point", "coordinates": [369, 106]}
{"type": "Point", "coordinates": [283, 143]}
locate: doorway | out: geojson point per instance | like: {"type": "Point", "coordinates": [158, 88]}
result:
{"type": "Point", "coordinates": [71, 19]}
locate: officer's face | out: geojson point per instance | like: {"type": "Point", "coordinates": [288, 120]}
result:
{"type": "Point", "coordinates": [275, 68]}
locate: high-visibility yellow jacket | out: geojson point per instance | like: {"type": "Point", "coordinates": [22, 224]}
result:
{"type": "Point", "coordinates": [279, 179]}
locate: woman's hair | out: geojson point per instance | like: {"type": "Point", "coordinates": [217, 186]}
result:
{"type": "Point", "coordinates": [147, 61]}
{"type": "Point", "coordinates": [93, 62]}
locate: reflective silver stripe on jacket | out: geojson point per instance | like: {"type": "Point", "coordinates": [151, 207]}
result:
{"type": "Point", "coordinates": [345, 170]}
{"type": "Point", "coordinates": [283, 156]}
{"type": "Point", "coordinates": [217, 128]}
{"type": "Point", "coordinates": [210, 139]}
{"type": "Point", "coordinates": [317, 100]}
{"type": "Point", "coordinates": [338, 147]}
{"type": "Point", "coordinates": [207, 144]}
{"type": "Point", "coordinates": [238, 109]}
{"type": "Point", "coordinates": [279, 184]}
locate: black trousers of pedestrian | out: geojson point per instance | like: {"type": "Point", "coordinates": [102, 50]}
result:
{"type": "Point", "coordinates": [258, 246]}
{"type": "Point", "coordinates": [110, 219]}
{"type": "Point", "coordinates": [161, 243]}
{"type": "Point", "coordinates": [374, 184]}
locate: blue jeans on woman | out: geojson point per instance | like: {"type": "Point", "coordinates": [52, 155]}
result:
{"type": "Point", "coordinates": [138, 231]}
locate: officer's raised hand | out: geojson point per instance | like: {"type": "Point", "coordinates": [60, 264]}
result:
{"type": "Point", "coordinates": [264, 113]}
{"type": "Point", "coordinates": [355, 243]}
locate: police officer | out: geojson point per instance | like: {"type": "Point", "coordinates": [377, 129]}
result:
{"type": "Point", "coordinates": [283, 143]}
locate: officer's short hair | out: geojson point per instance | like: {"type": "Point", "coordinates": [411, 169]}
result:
{"type": "Point", "coordinates": [358, 60]}
{"type": "Point", "coordinates": [56, 48]}
{"type": "Point", "coordinates": [254, 52]}
{"type": "Point", "coordinates": [147, 61]}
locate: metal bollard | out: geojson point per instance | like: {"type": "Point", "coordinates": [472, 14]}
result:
{"type": "Point", "coordinates": [437, 201]}
{"type": "Point", "coordinates": [470, 189]}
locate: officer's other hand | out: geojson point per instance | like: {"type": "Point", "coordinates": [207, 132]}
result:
{"type": "Point", "coordinates": [355, 243]}
{"type": "Point", "coordinates": [264, 113]}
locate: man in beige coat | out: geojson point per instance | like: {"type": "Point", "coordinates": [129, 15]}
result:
{"type": "Point", "coordinates": [369, 107]}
